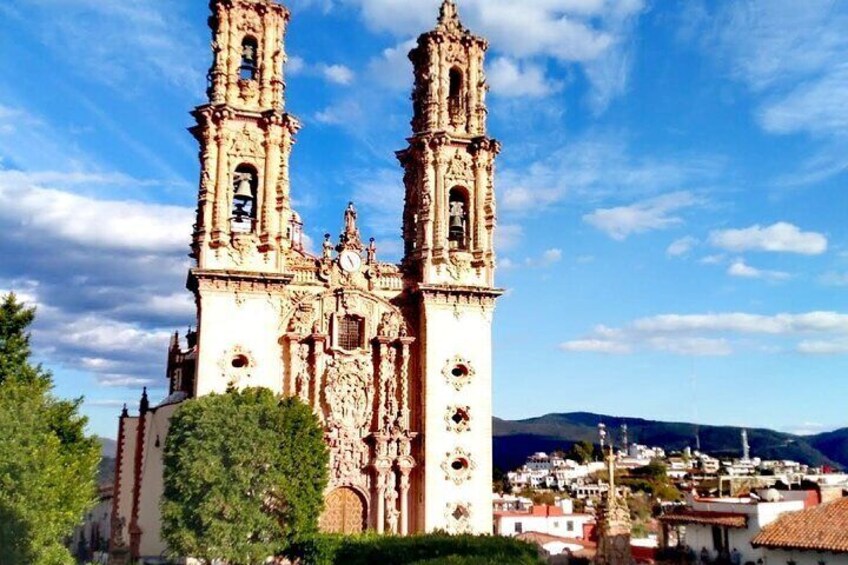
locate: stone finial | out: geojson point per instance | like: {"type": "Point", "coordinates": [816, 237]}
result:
{"type": "Point", "coordinates": [144, 405]}
{"type": "Point", "coordinates": [449, 18]}
{"type": "Point", "coordinates": [125, 413]}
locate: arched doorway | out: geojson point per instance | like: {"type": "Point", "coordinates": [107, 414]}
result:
{"type": "Point", "coordinates": [344, 512]}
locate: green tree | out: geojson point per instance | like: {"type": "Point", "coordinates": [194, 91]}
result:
{"type": "Point", "coordinates": [582, 452]}
{"type": "Point", "coordinates": [47, 464]}
{"type": "Point", "coordinates": [245, 474]}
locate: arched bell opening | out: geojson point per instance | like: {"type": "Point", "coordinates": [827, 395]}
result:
{"type": "Point", "coordinates": [244, 202]}
{"type": "Point", "coordinates": [249, 56]}
{"type": "Point", "coordinates": [456, 95]}
{"type": "Point", "coordinates": [458, 223]}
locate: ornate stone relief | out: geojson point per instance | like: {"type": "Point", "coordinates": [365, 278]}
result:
{"type": "Point", "coordinates": [243, 250]}
{"type": "Point", "coordinates": [458, 418]}
{"type": "Point", "coordinates": [458, 517]}
{"type": "Point", "coordinates": [349, 391]}
{"type": "Point", "coordinates": [459, 168]}
{"type": "Point", "coordinates": [237, 364]}
{"type": "Point", "coordinates": [458, 372]}
{"type": "Point", "coordinates": [349, 394]}
{"type": "Point", "coordinates": [249, 143]}
{"type": "Point", "coordinates": [458, 466]}
{"type": "Point", "coordinates": [459, 265]}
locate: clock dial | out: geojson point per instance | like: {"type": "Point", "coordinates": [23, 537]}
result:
{"type": "Point", "coordinates": [350, 261]}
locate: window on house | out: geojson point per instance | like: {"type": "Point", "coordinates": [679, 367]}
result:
{"type": "Point", "coordinates": [518, 528]}
{"type": "Point", "coordinates": [249, 53]}
{"type": "Point", "coordinates": [350, 333]}
{"type": "Point", "coordinates": [569, 526]}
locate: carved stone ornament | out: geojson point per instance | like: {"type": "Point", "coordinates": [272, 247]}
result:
{"type": "Point", "coordinates": [244, 248]}
{"type": "Point", "coordinates": [237, 364]}
{"type": "Point", "coordinates": [248, 143]}
{"type": "Point", "coordinates": [389, 325]}
{"type": "Point", "coordinates": [458, 372]}
{"type": "Point", "coordinates": [459, 265]}
{"type": "Point", "coordinates": [458, 466]}
{"type": "Point", "coordinates": [458, 418]}
{"type": "Point", "coordinates": [350, 392]}
{"type": "Point", "coordinates": [459, 167]}
{"type": "Point", "coordinates": [458, 517]}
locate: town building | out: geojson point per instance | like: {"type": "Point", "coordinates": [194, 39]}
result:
{"type": "Point", "coordinates": [395, 359]}
{"type": "Point", "coordinates": [815, 536]}
{"type": "Point", "coordinates": [544, 519]}
{"type": "Point", "coordinates": [715, 528]}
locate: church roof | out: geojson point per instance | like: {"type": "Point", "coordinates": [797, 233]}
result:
{"type": "Point", "coordinates": [821, 528]}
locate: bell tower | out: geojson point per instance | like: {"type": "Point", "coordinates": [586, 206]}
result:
{"type": "Point", "coordinates": [449, 217]}
{"type": "Point", "coordinates": [449, 261]}
{"type": "Point", "coordinates": [246, 236]}
{"type": "Point", "coordinates": [244, 216]}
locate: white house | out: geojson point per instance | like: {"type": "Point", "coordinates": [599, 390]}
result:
{"type": "Point", "coordinates": [542, 519]}
{"type": "Point", "coordinates": [715, 527]}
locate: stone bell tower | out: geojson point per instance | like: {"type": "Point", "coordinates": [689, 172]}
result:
{"type": "Point", "coordinates": [246, 232]}
{"type": "Point", "coordinates": [449, 261]}
{"type": "Point", "coordinates": [244, 216]}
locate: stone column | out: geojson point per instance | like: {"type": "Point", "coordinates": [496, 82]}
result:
{"type": "Point", "coordinates": [405, 401]}
{"type": "Point", "coordinates": [318, 341]}
{"type": "Point", "coordinates": [222, 186]}
{"type": "Point", "coordinates": [404, 502]}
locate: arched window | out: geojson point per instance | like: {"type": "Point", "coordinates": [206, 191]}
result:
{"type": "Point", "coordinates": [458, 218]}
{"type": "Point", "coordinates": [249, 57]}
{"type": "Point", "coordinates": [245, 186]}
{"type": "Point", "coordinates": [455, 95]}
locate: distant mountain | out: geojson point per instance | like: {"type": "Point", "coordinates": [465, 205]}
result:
{"type": "Point", "coordinates": [515, 440]}
{"type": "Point", "coordinates": [833, 444]}
{"type": "Point", "coordinates": [108, 447]}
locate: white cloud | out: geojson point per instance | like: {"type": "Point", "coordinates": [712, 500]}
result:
{"type": "Point", "coordinates": [511, 78]}
{"type": "Point", "coordinates": [343, 112]}
{"type": "Point", "coordinates": [295, 65]}
{"type": "Point", "coordinates": [740, 269]}
{"type": "Point", "coordinates": [712, 260]}
{"type": "Point", "coordinates": [692, 346]}
{"type": "Point", "coordinates": [835, 279]}
{"type": "Point", "coordinates": [779, 324]}
{"type": "Point", "coordinates": [124, 45]}
{"type": "Point", "coordinates": [695, 334]}
{"type": "Point", "coordinates": [821, 347]}
{"type": "Point", "coordinates": [681, 246]}
{"type": "Point", "coordinates": [89, 222]}
{"type": "Point", "coordinates": [792, 53]}
{"type": "Point", "coordinates": [393, 68]}
{"type": "Point", "coordinates": [508, 236]}
{"type": "Point", "coordinates": [596, 346]}
{"type": "Point", "coordinates": [337, 74]}
{"type": "Point", "coordinates": [545, 259]}
{"type": "Point", "coordinates": [781, 237]}
{"type": "Point", "coordinates": [649, 215]}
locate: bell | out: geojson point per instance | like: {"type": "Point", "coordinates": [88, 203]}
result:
{"type": "Point", "coordinates": [243, 190]}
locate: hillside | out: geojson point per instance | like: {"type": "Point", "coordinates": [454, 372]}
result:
{"type": "Point", "coordinates": [515, 440]}
{"type": "Point", "coordinates": [834, 444]}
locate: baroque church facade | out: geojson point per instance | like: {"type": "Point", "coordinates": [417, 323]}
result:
{"type": "Point", "coordinates": [395, 359]}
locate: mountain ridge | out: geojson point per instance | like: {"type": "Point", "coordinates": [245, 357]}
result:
{"type": "Point", "coordinates": [514, 440]}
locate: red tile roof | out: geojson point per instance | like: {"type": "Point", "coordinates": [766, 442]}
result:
{"type": "Point", "coordinates": [726, 519]}
{"type": "Point", "coordinates": [821, 528]}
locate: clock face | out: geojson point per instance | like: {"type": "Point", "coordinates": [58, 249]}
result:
{"type": "Point", "coordinates": [350, 261]}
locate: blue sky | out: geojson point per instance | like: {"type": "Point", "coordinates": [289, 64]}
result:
{"type": "Point", "coordinates": [672, 190]}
